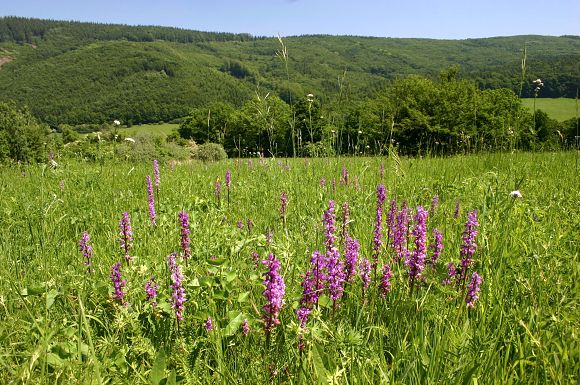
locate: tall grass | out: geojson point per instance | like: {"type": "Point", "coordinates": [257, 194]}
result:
{"type": "Point", "coordinates": [59, 324]}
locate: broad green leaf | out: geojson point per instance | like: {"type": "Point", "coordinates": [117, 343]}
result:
{"type": "Point", "coordinates": [243, 297]}
{"type": "Point", "coordinates": [234, 325]}
{"type": "Point", "coordinates": [319, 368]}
{"type": "Point", "coordinates": [216, 262]}
{"type": "Point", "coordinates": [54, 360]}
{"type": "Point", "coordinates": [231, 276]}
{"type": "Point", "coordinates": [172, 379]}
{"type": "Point", "coordinates": [158, 369]}
{"type": "Point", "coordinates": [164, 306]}
{"type": "Point", "coordinates": [324, 301]}
{"type": "Point", "coordinates": [50, 297]}
{"type": "Point", "coordinates": [33, 290]}
{"type": "Point", "coordinates": [221, 294]}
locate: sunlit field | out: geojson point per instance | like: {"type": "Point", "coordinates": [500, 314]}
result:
{"type": "Point", "coordinates": [305, 271]}
{"type": "Point", "coordinates": [559, 109]}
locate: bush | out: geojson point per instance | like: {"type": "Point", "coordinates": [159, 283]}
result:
{"type": "Point", "coordinates": [210, 152]}
{"type": "Point", "coordinates": [69, 135]}
{"type": "Point", "coordinates": [148, 147]}
{"type": "Point", "coordinates": [22, 138]}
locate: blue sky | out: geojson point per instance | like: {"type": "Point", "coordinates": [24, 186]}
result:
{"type": "Point", "coordinates": [441, 19]}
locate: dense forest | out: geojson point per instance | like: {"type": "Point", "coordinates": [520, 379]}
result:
{"type": "Point", "coordinates": [304, 95]}
{"type": "Point", "coordinates": [72, 72]}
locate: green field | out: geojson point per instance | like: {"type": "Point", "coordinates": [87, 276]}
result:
{"type": "Point", "coordinates": [162, 129]}
{"type": "Point", "coordinates": [60, 322]}
{"type": "Point", "coordinates": [560, 109]}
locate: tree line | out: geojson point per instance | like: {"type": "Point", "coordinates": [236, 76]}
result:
{"type": "Point", "coordinates": [31, 30]}
{"type": "Point", "coordinates": [416, 115]}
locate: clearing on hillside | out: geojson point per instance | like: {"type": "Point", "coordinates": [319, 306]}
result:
{"type": "Point", "coordinates": [560, 109]}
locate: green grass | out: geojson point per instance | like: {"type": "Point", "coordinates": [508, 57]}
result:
{"type": "Point", "coordinates": [560, 109]}
{"type": "Point", "coordinates": [162, 129]}
{"type": "Point", "coordinates": [59, 324]}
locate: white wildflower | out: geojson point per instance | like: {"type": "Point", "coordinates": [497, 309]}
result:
{"type": "Point", "coordinates": [516, 194]}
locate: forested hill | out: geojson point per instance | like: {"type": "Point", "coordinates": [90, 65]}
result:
{"type": "Point", "coordinates": [72, 72]}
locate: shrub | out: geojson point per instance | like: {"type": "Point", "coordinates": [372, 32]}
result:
{"type": "Point", "coordinates": [23, 138]}
{"type": "Point", "coordinates": [69, 135]}
{"type": "Point", "coordinates": [210, 152]}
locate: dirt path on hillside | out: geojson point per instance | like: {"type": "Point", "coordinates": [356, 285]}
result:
{"type": "Point", "coordinates": [5, 59]}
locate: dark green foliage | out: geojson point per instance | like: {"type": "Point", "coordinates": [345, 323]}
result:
{"type": "Point", "coordinates": [24, 30]}
{"type": "Point", "coordinates": [387, 91]}
{"type": "Point", "coordinates": [415, 114]}
{"type": "Point", "coordinates": [70, 72]}
{"type": "Point", "coordinates": [265, 120]}
{"type": "Point", "coordinates": [236, 69]}
{"type": "Point", "coordinates": [570, 132]}
{"type": "Point", "coordinates": [546, 129]}
{"type": "Point", "coordinates": [419, 115]}
{"type": "Point", "coordinates": [69, 135]}
{"type": "Point", "coordinates": [22, 138]}
{"type": "Point", "coordinates": [210, 152]}
{"type": "Point", "coordinates": [208, 124]}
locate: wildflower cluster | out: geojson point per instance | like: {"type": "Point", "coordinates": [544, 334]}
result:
{"type": "Point", "coordinates": [184, 224]}
{"type": "Point", "coordinates": [118, 284]}
{"type": "Point", "coordinates": [178, 292]}
{"type": "Point", "coordinates": [87, 250]}
{"type": "Point", "coordinates": [283, 206]}
{"type": "Point", "coordinates": [460, 272]}
{"type": "Point", "coordinates": [273, 292]}
{"type": "Point", "coordinates": [152, 214]}
{"type": "Point", "coordinates": [126, 235]}
{"type": "Point", "coordinates": [151, 288]}
{"type": "Point", "coordinates": [378, 229]}
{"type": "Point", "coordinates": [416, 260]}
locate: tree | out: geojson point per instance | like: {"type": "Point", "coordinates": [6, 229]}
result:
{"type": "Point", "coordinates": [270, 121]}
{"type": "Point", "coordinates": [309, 120]}
{"type": "Point", "coordinates": [546, 128]}
{"type": "Point", "coordinates": [208, 124]}
{"type": "Point", "coordinates": [22, 138]}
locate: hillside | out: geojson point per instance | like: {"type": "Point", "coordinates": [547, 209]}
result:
{"type": "Point", "coordinates": [71, 72]}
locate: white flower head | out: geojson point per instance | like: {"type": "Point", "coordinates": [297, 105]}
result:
{"type": "Point", "coordinates": [130, 140]}
{"type": "Point", "coordinates": [516, 194]}
{"type": "Point", "coordinates": [116, 122]}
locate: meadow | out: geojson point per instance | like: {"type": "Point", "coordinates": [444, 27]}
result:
{"type": "Point", "coordinates": [161, 129]}
{"type": "Point", "coordinates": [559, 109]}
{"type": "Point", "coordinates": [200, 280]}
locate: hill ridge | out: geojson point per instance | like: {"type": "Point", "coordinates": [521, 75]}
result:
{"type": "Point", "coordinates": [84, 72]}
